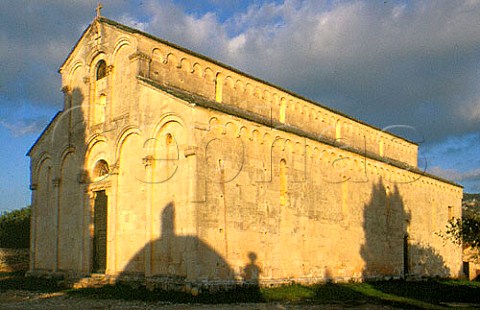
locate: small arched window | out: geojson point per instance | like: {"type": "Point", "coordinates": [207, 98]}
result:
{"type": "Point", "coordinates": [101, 169]}
{"type": "Point", "coordinates": [101, 69]}
{"type": "Point", "coordinates": [283, 183]}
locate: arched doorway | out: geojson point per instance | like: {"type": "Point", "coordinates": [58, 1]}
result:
{"type": "Point", "coordinates": [100, 214]}
{"type": "Point", "coordinates": [99, 253]}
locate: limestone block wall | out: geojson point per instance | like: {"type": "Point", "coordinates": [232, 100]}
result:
{"type": "Point", "coordinates": [328, 214]}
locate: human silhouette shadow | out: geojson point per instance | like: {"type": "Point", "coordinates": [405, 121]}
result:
{"type": "Point", "coordinates": [180, 261]}
{"type": "Point", "coordinates": [251, 274]}
{"type": "Point", "coordinates": [388, 250]}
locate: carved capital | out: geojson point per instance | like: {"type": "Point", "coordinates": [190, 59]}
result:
{"type": "Point", "coordinates": [109, 69]}
{"type": "Point", "coordinates": [56, 182]}
{"type": "Point", "coordinates": [66, 89]}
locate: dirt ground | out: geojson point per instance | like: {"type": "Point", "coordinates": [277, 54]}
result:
{"type": "Point", "coordinates": [19, 299]}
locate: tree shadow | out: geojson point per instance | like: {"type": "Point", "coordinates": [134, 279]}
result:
{"type": "Point", "coordinates": [388, 250]}
{"type": "Point", "coordinates": [187, 264]}
{"type": "Point", "coordinates": [58, 182]}
{"type": "Point", "coordinates": [179, 259]}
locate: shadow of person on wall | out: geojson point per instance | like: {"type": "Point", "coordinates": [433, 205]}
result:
{"type": "Point", "coordinates": [180, 261]}
{"type": "Point", "coordinates": [251, 274]}
{"type": "Point", "coordinates": [389, 251]}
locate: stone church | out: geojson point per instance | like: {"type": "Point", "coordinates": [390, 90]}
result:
{"type": "Point", "coordinates": [170, 167]}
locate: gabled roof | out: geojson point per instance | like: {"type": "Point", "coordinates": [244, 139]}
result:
{"type": "Point", "coordinates": [43, 133]}
{"type": "Point", "coordinates": [128, 29]}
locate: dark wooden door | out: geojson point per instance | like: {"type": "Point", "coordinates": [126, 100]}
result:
{"type": "Point", "coordinates": [406, 254]}
{"type": "Point", "coordinates": [100, 233]}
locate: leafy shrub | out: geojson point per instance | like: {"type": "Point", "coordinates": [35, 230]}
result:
{"type": "Point", "coordinates": [15, 229]}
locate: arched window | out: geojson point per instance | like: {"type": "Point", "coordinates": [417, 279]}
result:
{"type": "Point", "coordinates": [283, 183]}
{"type": "Point", "coordinates": [101, 169]}
{"type": "Point", "coordinates": [101, 69]}
{"type": "Point", "coordinates": [283, 109]}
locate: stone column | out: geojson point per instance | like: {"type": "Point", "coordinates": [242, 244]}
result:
{"type": "Point", "coordinates": [33, 227]}
{"type": "Point", "coordinates": [56, 202]}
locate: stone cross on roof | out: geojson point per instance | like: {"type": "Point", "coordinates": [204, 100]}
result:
{"type": "Point", "coordinates": [99, 7]}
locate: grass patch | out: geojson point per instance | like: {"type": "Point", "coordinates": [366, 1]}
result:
{"type": "Point", "coordinates": [290, 293]}
{"type": "Point", "coordinates": [433, 294]}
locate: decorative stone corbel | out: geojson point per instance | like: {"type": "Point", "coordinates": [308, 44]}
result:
{"type": "Point", "coordinates": [140, 55]}
{"type": "Point", "coordinates": [56, 182]}
{"type": "Point", "coordinates": [190, 151]}
{"type": "Point", "coordinates": [201, 126]}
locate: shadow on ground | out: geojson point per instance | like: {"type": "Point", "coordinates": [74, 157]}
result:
{"type": "Point", "coordinates": [432, 294]}
{"type": "Point", "coordinates": [18, 281]}
{"type": "Point", "coordinates": [410, 295]}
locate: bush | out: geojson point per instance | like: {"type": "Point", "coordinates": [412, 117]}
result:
{"type": "Point", "coordinates": [15, 229]}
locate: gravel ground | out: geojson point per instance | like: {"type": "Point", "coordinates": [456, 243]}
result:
{"type": "Point", "coordinates": [18, 299]}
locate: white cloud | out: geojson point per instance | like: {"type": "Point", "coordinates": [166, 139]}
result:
{"type": "Point", "coordinates": [128, 20]}
{"type": "Point", "coordinates": [23, 127]}
{"type": "Point", "coordinates": [236, 43]}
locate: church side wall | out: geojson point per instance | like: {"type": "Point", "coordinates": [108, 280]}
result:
{"type": "Point", "coordinates": [301, 210]}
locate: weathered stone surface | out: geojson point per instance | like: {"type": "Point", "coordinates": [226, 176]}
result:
{"type": "Point", "coordinates": [209, 177]}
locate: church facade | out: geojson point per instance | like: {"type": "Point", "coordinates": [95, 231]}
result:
{"type": "Point", "coordinates": [166, 165]}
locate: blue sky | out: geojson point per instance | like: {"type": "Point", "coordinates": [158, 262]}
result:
{"type": "Point", "coordinates": [408, 63]}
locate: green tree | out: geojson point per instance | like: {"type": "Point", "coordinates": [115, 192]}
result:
{"type": "Point", "coordinates": [15, 229]}
{"type": "Point", "coordinates": [464, 231]}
